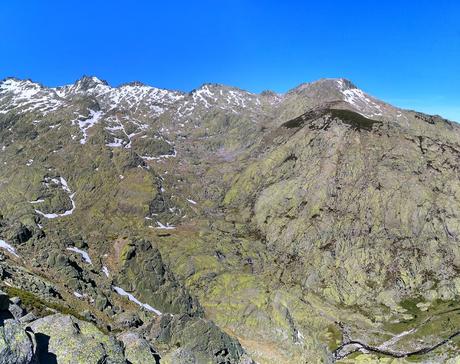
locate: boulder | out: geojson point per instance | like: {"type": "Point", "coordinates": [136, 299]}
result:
{"type": "Point", "coordinates": [28, 317]}
{"type": "Point", "coordinates": [101, 302]}
{"type": "Point", "coordinates": [137, 349]}
{"type": "Point", "coordinates": [19, 233]}
{"type": "Point", "coordinates": [72, 341]}
{"type": "Point", "coordinates": [126, 320]}
{"type": "Point", "coordinates": [15, 300]}
{"type": "Point", "coordinates": [16, 346]}
{"type": "Point", "coordinates": [181, 355]}
{"type": "Point", "coordinates": [16, 310]}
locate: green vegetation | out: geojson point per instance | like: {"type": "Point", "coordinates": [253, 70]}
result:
{"type": "Point", "coordinates": [43, 307]}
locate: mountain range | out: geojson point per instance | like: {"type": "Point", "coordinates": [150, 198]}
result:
{"type": "Point", "coordinates": [143, 225]}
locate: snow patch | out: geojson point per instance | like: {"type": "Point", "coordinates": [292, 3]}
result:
{"type": "Point", "coordinates": [116, 143]}
{"type": "Point", "coordinates": [63, 183]}
{"type": "Point", "coordinates": [165, 227]}
{"type": "Point", "coordinates": [164, 156]}
{"type": "Point", "coordinates": [122, 292]}
{"type": "Point", "coordinates": [84, 254]}
{"type": "Point", "coordinates": [361, 101]}
{"type": "Point", "coordinates": [37, 201]}
{"type": "Point", "coordinates": [105, 270]}
{"type": "Point", "coordinates": [93, 119]}
{"type": "Point", "coordinates": [4, 245]}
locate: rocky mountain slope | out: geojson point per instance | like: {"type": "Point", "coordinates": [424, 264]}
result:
{"type": "Point", "coordinates": [220, 226]}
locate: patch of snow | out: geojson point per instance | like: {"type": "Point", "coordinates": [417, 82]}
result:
{"type": "Point", "coordinates": [4, 245]}
{"type": "Point", "coordinates": [354, 96]}
{"type": "Point", "coordinates": [116, 143]}
{"type": "Point", "coordinates": [65, 213]}
{"type": "Point", "coordinates": [105, 270]}
{"type": "Point", "coordinates": [63, 183]}
{"type": "Point", "coordinates": [164, 156]}
{"type": "Point", "coordinates": [361, 101]}
{"type": "Point", "coordinates": [84, 254]}
{"type": "Point", "coordinates": [8, 248]}
{"type": "Point", "coordinates": [122, 292]}
{"type": "Point", "coordinates": [93, 119]}
{"type": "Point", "coordinates": [165, 227]}
{"type": "Point", "coordinates": [37, 201]}
{"type": "Point", "coordinates": [203, 95]}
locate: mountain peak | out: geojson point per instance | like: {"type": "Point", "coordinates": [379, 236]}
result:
{"type": "Point", "coordinates": [344, 84]}
{"type": "Point", "coordinates": [17, 81]}
{"type": "Point", "coordinates": [21, 89]}
{"type": "Point", "coordinates": [88, 82]}
{"type": "Point", "coordinates": [327, 84]}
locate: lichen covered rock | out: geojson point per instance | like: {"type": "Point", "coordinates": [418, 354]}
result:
{"type": "Point", "coordinates": [72, 341]}
{"type": "Point", "coordinates": [144, 272]}
{"type": "Point", "coordinates": [137, 349]}
{"type": "Point", "coordinates": [197, 340]}
{"type": "Point", "coordinates": [16, 345]}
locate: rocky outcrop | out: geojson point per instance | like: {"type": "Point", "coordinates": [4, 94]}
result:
{"type": "Point", "coordinates": [137, 349]}
{"type": "Point", "coordinates": [196, 340]}
{"type": "Point", "coordinates": [143, 271]}
{"type": "Point", "coordinates": [67, 340]}
{"type": "Point", "coordinates": [56, 338]}
{"type": "Point", "coordinates": [16, 344]}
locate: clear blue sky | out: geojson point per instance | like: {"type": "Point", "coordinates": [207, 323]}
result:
{"type": "Point", "coordinates": [405, 52]}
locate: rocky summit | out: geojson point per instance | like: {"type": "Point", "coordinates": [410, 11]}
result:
{"type": "Point", "coordinates": [142, 225]}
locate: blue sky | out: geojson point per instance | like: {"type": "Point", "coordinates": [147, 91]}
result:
{"type": "Point", "coordinates": [405, 52]}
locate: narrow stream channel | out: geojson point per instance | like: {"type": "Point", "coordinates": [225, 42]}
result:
{"type": "Point", "coordinates": [394, 354]}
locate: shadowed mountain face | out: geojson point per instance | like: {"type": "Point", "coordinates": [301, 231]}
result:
{"type": "Point", "coordinates": [220, 226]}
